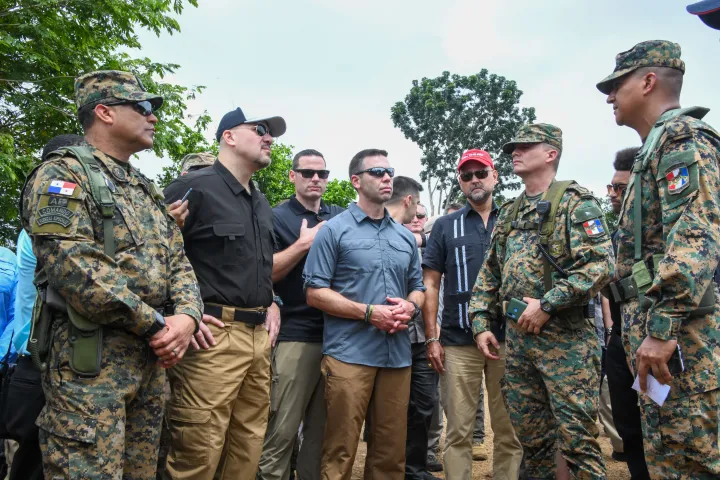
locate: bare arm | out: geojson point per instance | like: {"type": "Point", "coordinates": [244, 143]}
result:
{"type": "Point", "coordinates": [607, 318]}
{"type": "Point", "coordinates": [330, 301]}
{"type": "Point", "coordinates": [431, 279]}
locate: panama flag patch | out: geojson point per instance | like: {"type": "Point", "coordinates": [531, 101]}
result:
{"type": "Point", "coordinates": [594, 228]}
{"type": "Point", "coordinates": [678, 179]}
{"type": "Point", "coordinates": [61, 187]}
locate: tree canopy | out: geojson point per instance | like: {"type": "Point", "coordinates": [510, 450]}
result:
{"type": "Point", "coordinates": [451, 113]}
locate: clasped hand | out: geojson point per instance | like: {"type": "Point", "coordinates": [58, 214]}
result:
{"type": "Point", "coordinates": [394, 317]}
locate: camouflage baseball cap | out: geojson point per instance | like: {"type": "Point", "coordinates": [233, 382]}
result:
{"type": "Point", "coordinates": [536, 133]}
{"type": "Point", "coordinates": [192, 160]}
{"type": "Point", "coordinates": [653, 53]}
{"type": "Point", "coordinates": [106, 86]}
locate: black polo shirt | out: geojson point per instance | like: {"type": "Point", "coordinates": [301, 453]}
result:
{"type": "Point", "coordinates": [228, 237]}
{"type": "Point", "coordinates": [300, 322]}
{"type": "Point", "coordinates": [457, 247]}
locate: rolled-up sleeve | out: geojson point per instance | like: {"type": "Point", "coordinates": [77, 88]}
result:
{"type": "Point", "coordinates": [321, 260]}
{"type": "Point", "coordinates": [415, 279]}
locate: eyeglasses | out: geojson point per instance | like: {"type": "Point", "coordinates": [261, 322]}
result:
{"type": "Point", "coordinates": [310, 173]}
{"type": "Point", "coordinates": [616, 187]}
{"type": "Point", "coordinates": [378, 172]}
{"type": "Point", "coordinates": [144, 107]}
{"type": "Point", "coordinates": [261, 129]}
{"type": "Point", "coordinates": [479, 174]}
{"type": "Point", "coordinates": [420, 216]}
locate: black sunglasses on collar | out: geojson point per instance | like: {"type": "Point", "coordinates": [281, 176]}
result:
{"type": "Point", "coordinates": [310, 173]}
{"type": "Point", "coordinates": [144, 107]}
{"type": "Point", "coordinates": [378, 172]}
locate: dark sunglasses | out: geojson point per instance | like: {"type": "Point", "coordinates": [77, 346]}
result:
{"type": "Point", "coordinates": [479, 174]}
{"type": "Point", "coordinates": [310, 173]}
{"type": "Point", "coordinates": [616, 187]}
{"type": "Point", "coordinates": [144, 108]}
{"type": "Point", "coordinates": [378, 172]}
{"type": "Point", "coordinates": [420, 215]}
{"type": "Point", "coordinates": [261, 129]}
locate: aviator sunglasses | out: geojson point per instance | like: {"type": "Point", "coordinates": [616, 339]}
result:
{"type": "Point", "coordinates": [378, 172]}
{"type": "Point", "coordinates": [479, 174]}
{"type": "Point", "coordinates": [310, 173]}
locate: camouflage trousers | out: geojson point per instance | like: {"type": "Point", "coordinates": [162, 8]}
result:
{"type": "Point", "coordinates": [104, 427]}
{"type": "Point", "coordinates": [551, 388]}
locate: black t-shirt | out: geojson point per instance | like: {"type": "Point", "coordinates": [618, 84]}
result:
{"type": "Point", "coordinates": [457, 247]}
{"type": "Point", "coordinates": [228, 237]}
{"type": "Point", "coordinates": [300, 322]}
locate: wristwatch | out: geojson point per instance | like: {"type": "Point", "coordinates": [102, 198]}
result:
{"type": "Point", "coordinates": [157, 325]}
{"type": "Point", "coordinates": [278, 300]}
{"type": "Point", "coordinates": [416, 312]}
{"type": "Point", "coordinates": [547, 307]}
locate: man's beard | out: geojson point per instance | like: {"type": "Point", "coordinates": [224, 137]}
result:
{"type": "Point", "coordinates": [479, 195]}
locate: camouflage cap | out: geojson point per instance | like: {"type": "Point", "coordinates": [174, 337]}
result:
{"type": "Point", "coordinates": [107, 86]}
{"type": "Point", "coordinates": [536, 133]}
{"type": "Point", "coordinates": [191, 160]}
{"type": "Point", "coordinates": [653, 53]}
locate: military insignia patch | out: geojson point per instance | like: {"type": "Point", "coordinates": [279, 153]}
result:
{"type": "Point", "coordinates": [58, 215]}
{"type": "Point", "coordinates": [678, 179]}
{"type": "Point", "coordinates": [119, 173]}
{"type": "Point", "coordinates": [556, 248]}
{"type": "Point", "coordinates": [61, 187]}
{"type": "Point", "coordinates": [594, 228]}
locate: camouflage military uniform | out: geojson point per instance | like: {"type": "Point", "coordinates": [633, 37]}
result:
{"type": "Point", "coordinates": [680, 204]}
{"type": "Point", "coordinates": [195, 161]}
{"type": "Point", "coordinates": [105, 426]}
{"type": "Point", "coordinates": [552, 379]}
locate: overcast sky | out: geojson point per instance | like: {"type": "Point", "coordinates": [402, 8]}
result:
{"type": "Point", "coordinates": [333, 69]}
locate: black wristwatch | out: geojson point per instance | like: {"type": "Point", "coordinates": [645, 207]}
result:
{"type": "Point", "coordinates": [416, 312]}
{"type": "Point", "coordinates": [547, 307]}
{"type": "Point", "coordinates": [157, 325]}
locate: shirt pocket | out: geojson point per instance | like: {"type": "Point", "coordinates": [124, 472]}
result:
{"type": "Point", "coordinates": [127, 227]}
{"type": "Point", "coordinates": [400, 255]}
{"type": "Point", "coordinates": [359, 255]}
{"type": "Point", "coordinates": [231, 236]}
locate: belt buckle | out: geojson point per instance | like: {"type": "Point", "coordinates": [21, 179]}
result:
{"type": "Point", "coordinates": [251, 326]}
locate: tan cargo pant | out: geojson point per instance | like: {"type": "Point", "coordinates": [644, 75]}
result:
{"type": "Point", "coordinates": [219, 403]}
{"type": "Point", "coordinates": [297, 396]}
{"type": "Point", "coordinates": [465, 367]}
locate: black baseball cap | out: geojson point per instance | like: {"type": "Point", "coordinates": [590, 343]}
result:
{"type": "Point", "coordinates": [236, 117]}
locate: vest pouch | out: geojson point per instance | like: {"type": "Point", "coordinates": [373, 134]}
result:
{"type": "Point", "coordinates": [573, 318]}
{"type": "Point", "coordinates": [643, 279]}
{"type": "Point", "coordinates": [85, 344]}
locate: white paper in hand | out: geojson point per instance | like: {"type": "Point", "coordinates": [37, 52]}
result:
{"type": "Point", "coordinates": [655, 390]}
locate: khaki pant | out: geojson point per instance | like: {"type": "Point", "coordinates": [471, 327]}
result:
{"type": "Point", "coordinates": [218, 410]}
{"type": "Point", "coordinates": [461, 385]}
{"type": "Point", "coordinates": [350, 392]}
{"type": "Point", "coordinates": [606, 418]}
{"type": "Point", "coordinates": [297, 396]}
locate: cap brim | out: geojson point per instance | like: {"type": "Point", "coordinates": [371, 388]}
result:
{"type": "Point", "coordinates": [704, 7]}
{"type": "Point", "coordinates": [276, 124]}
{"type": "Point", "coordinates": [606, 85]}
{"type": "Point", "coordinates": [508, 147]}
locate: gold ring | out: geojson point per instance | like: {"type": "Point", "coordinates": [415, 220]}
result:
{"type": "Point", "coordinates": [174, 353]}
{"type": "Point", "coordinates": [429, 364]}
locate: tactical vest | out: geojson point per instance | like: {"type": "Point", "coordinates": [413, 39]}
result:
{"type": "Point", "coordinates": [575, 317]}
{"type": "Point", "coordinates": [642, 275]}
{"type": "Point", "coordinates": [85, 337]}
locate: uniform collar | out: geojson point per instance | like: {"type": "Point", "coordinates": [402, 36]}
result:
{"type": "Point", "coordinates": [299, 209]}
{"type": "Point", "coordinates": [120, 171]}
{"type": "Point", "coordinates": [230, 179]}
{"type": "Point", "coordinates": [360, 215]}
{"type": "Point", "coordinates": [468, 209]}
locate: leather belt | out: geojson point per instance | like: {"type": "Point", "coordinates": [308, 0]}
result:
{"type": "Point", "coordinates": [622, 290]}
{"type": "Point", "coordinates": [251, 317]}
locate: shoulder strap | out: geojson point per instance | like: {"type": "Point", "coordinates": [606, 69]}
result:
{"type": "Point", "coordinates": [553, 195]}
{"type": "Point", "coordinates": [100, 193]}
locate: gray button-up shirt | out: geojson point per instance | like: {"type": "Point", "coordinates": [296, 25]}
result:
{"type": "Point", "coordinates": [365, 261]}
{"type": "Point", "coordinates": [416, 326]}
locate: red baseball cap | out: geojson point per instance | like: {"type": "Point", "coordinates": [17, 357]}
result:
{"type": "Point", "coordinates": [480, 156]}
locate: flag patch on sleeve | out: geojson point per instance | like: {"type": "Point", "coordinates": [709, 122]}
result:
{"type": "Point", "coordinates": [678, 179]}
{"type": "Point", "coordinates": [61, 187]}
{"type": "Point", "coordinates": [594, 228]}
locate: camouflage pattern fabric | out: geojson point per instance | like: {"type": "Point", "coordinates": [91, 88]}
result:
{"type": "Point", "coordinates": [681, 215]}
{"type": "Point", "coordinates": [109, 86]}
{"type": "Point", "coordinates": [191, 160]}
{"type": "Point", "coordinates": [536, 133]}
{"type": "Point", "coordinates": [653, 53]}
{"type": "Point", "coordinates": [85, 415]}
{"type": "Point", "coordinates": [552, 379]}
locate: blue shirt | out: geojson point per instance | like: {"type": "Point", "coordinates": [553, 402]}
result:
{"type": "Point", "coordinates": [365, 261]}
{"type": "Point", "coordinates": [26, 292]}
{"type": "Point", "coordinates": [8, 280]}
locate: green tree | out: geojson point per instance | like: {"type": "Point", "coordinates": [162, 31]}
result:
{"type": "Point", "coordinates": [340, 193]}
{"type": "Point", "coordinates": [44, 45]}
{"type": "Point", "coordinates": [611, 218]}
{"type": "Point", "coordinates": [452, 113]}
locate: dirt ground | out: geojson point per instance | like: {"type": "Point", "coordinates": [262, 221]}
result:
{"type": "Point", "coordinates": [483, 470]}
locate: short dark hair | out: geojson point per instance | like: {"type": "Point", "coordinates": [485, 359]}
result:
{"type": "Point", "coordinates": [671, 79]}
{"type": "Point", "coordinates": [86, 116]}
{"type": "Point", "coordinates": [402, 187]}
{"type": "Point", "coordinates": [308, 152]}
{"type": "Point", "coordinates": [625, 158]}
{"type": "Point", "coordinates": [356, 164]}
{"type": "Point", "coordinates": [60, 141]}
